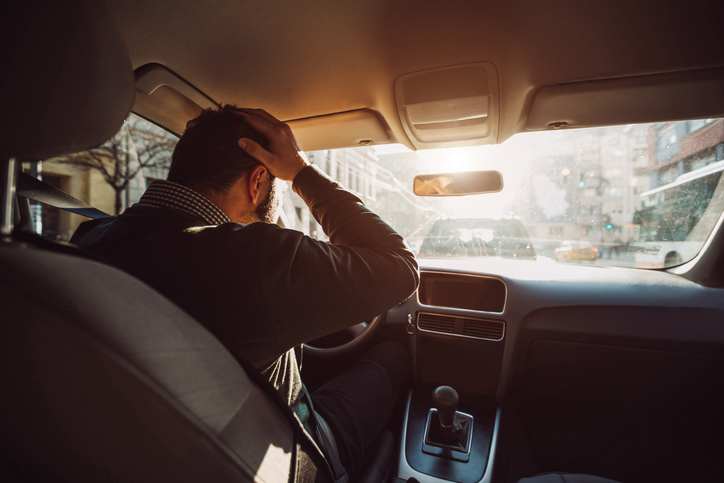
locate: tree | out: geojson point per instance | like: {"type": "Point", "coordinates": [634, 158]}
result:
{"type": "Point", "coordinates": [137, 145]}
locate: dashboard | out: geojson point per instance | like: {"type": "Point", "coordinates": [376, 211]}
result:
{"type": "Point", "coordinates": [582, 360]}
{"type": "Point", "coordinates": [474, 322]}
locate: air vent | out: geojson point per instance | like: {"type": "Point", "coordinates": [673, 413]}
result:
{"type": "Point", "coordinates": [483, 329]}
{"type": "Point", "coordinates": [436, 323]}
{"type": "Point", "coordinates": [461, 326]}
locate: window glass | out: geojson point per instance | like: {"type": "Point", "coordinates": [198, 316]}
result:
{"type": "Point", "coordinates": [110, 177]}
{"type": "Point", "coordinates": [666, 137]}
{"type": "Point", "coordinates": [699, 123]}
{"type": "Point", "coordinates": [634, 202]}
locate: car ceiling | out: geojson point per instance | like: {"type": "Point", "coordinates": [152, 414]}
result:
{"type": "Point", "coordinates": [302, 59]}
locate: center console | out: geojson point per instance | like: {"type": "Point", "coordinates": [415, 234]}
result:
{"type": "Point", "coordinates": [445, 440]}
{"type": "Point", "coordinates": [457, 333]}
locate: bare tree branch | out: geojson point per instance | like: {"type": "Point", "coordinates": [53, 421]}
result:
{"type": "Point", "coordinates": [137, 146]}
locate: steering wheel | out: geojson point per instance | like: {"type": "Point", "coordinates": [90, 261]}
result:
{"type": "Point", "coordinates": [360, 333]}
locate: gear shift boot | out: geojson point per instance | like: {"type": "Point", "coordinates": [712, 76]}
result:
{"type": "Point", "coordinates": [456, 437]}
{"type": "Point", "coordinates": [448, 433]}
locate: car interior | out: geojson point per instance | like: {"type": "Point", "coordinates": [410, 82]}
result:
{"type": "Point", "coordinates": [550, 371]}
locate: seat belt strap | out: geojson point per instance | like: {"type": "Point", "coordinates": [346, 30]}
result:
{"type": "Point", "coordinates": [326, 441]}
{"type": "Point", "coordinates": [36, 190]}
{"type": "Point", "coordinates": [329, 448]}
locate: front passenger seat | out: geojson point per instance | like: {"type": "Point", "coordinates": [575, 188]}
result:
{"type": "Point", "coordinates": [103, 379]}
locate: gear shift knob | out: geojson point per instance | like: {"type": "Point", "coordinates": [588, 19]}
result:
{"type": "Point", "coordinates": [446, 399]}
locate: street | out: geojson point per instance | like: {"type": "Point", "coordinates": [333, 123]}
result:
{"type": "Point", "coordinates": [620, 260]}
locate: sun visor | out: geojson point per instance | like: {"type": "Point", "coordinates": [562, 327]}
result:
{"type": "Point", "coordinates": [362, 127]}
{"type": "Point", "coordinates": [625, 100]}
{"type": "Point", "coordinates": [166, 98]}
{"type": "Point", "coordinates": [449, 106]}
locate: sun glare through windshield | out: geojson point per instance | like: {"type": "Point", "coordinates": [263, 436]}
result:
{"type": "Point", "coordinates": [644, 195]}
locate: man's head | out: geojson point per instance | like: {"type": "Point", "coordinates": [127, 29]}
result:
{"type": "Point", "coordinates": [209, 160]}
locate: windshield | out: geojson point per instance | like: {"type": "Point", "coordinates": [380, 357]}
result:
{"type": "Point", "coordinates": [645, 195]}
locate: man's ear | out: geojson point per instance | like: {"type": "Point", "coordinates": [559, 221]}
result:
{"type": "Point", "coordinates": [191, 123]}
{"type": "Point", "coordinates": [256, 183]}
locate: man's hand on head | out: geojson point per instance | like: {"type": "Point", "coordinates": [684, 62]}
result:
{"type": "Point", "coordinates": [285, 158]}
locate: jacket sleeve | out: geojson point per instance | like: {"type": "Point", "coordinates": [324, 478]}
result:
{"type": "Point", "coordinates": [312, 288]}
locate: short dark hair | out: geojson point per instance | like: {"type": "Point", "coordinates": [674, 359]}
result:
{"type": "Point", "coordinates": [207, 157]}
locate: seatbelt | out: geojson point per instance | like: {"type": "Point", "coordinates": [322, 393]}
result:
{"type": "Point", "coordinates": [36, 190]}
{"type": "Point", "coordinates": [303, 438]}
{"type": "Point", "coordinates": [326, 441]}
{"type": "Point", "coordinates": [329, 448]}
{"type": "Point", "coordinates": [325, 437]}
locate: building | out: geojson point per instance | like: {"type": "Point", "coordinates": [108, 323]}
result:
{"type": "Point", "coordinates": [583, 185]}
{"type": "Point", "coordinates": [355, 168]}
{"type": "Point", "coordinates": [683, 146]}
{"type": "Point", "coordinates": [110, 177]}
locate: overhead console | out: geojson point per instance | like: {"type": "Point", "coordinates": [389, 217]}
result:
{"type": "Point", "coordinates": [650, 98]}
{"type": "Point", "coordinates": [449, 106]}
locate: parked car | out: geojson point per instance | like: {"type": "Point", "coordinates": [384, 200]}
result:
{"type": "Point", "coordinates": [478, 237]}
{"type": "Point", "coordinates": [573, 250]}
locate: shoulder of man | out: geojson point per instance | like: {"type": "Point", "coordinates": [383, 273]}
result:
{"type": "Point", "coordinates": [83, 230]}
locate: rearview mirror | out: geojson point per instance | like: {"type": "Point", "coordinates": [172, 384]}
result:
{"type": "Point", "coordinates": [458, 184]}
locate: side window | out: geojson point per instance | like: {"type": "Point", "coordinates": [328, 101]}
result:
{"type": "Point", "coordinates": [110, 177]}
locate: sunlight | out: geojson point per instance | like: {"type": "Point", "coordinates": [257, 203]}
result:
{"type": "Point", "coordinates": [508, 158]}
{"type": "Point", "coordinates": [275, 464]}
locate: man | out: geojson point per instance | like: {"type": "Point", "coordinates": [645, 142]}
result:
{"type": "Point", "coordinates": [205, 238]}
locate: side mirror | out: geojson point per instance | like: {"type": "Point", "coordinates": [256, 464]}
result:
{"type": "Point", "coordinates": [458, 184]}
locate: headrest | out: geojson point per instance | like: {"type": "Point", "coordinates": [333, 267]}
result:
{"type": "Point", "coordinates": [67, 82]}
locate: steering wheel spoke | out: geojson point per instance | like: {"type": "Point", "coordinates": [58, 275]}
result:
{"type": "Point", "coordinates": [359, 332]}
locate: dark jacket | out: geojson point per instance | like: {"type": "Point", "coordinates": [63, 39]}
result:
{"type": "Point", "coordinates": [261, 289]}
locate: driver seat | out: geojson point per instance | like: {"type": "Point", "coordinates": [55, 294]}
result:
{"type": "Point", "coordinates": [103, 378]}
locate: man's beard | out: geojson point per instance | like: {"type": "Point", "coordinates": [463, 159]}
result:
{"type": "Point", "coordinates": [268, 209]}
